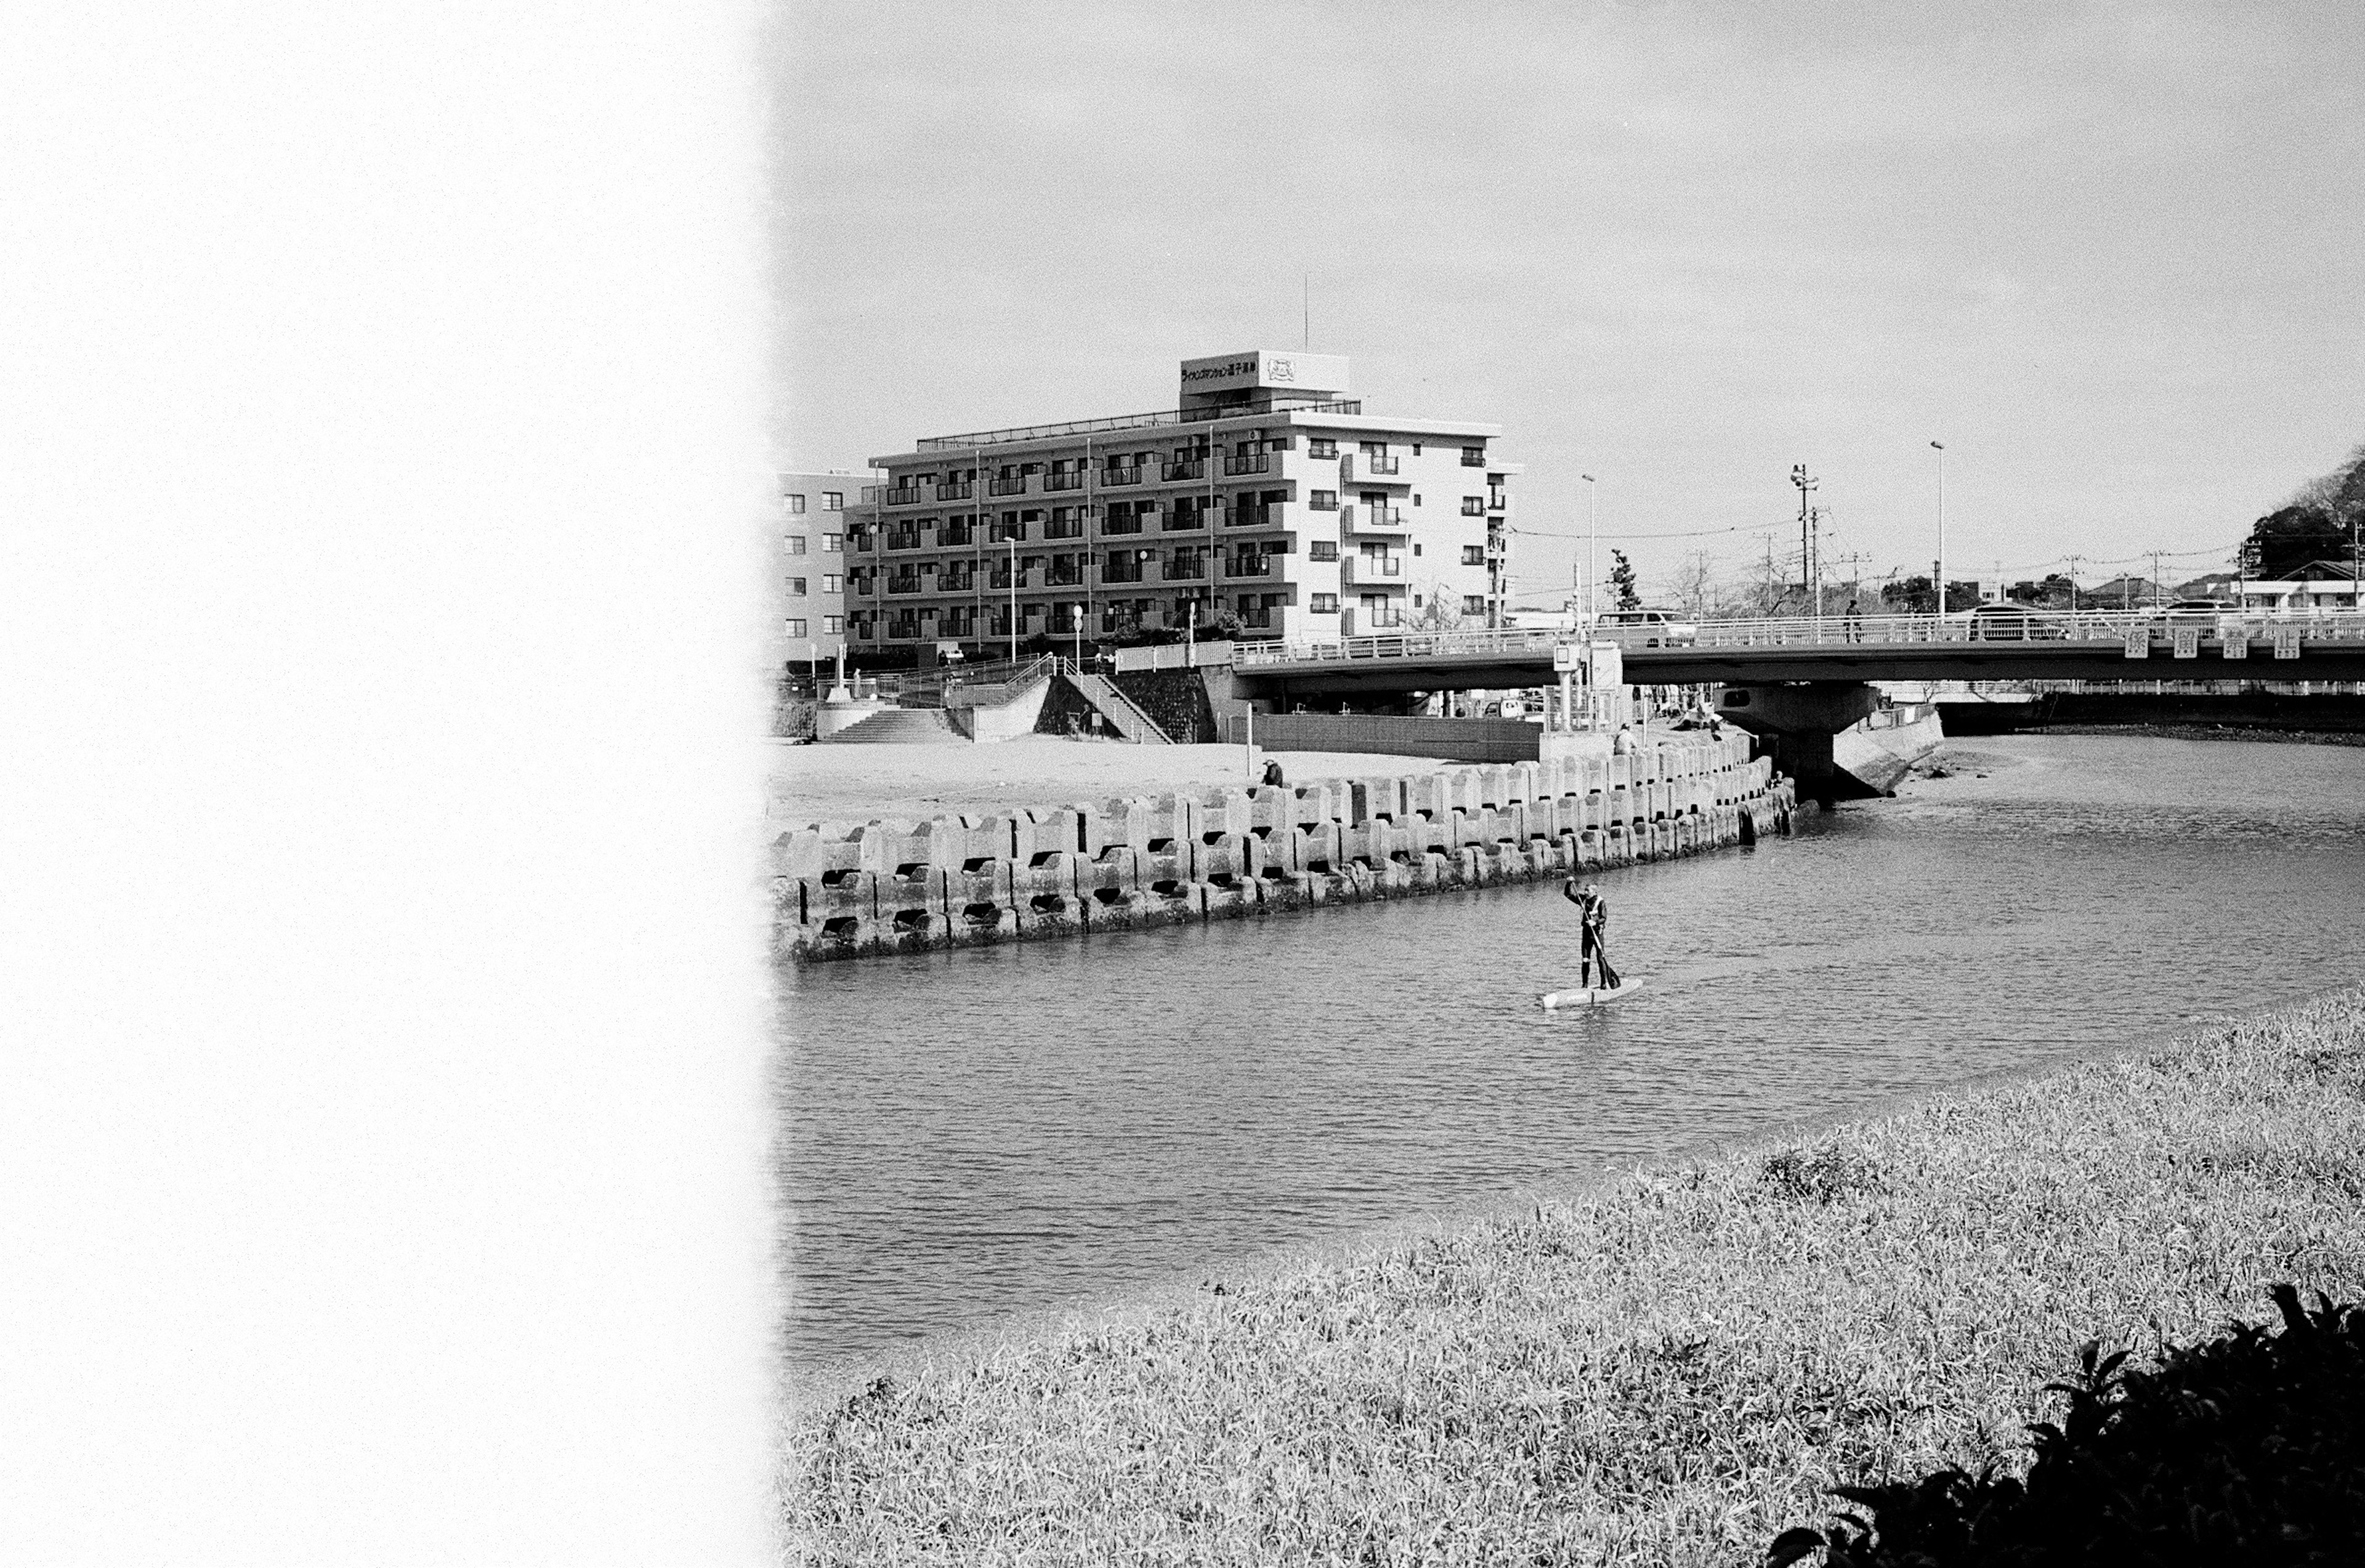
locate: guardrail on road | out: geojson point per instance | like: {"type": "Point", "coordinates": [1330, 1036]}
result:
{"type": "Point", "coordinates": [2087, 626]}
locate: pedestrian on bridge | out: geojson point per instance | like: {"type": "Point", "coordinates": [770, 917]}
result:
{"type": "Point", "coordinates": [1855, 628]}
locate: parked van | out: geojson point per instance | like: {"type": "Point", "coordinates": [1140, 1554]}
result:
{"type": "Point", "coordinates": [1646, 628]}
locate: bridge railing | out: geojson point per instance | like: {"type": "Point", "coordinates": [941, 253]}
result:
{"type": "Point", "coordinates": [2114, 627]}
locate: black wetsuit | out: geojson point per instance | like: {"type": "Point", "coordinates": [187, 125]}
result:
{"type": "Point", "coordinates": [1594, 913]}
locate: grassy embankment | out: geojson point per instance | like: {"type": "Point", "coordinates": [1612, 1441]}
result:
{"type": "Point", "coordinates": [1664, 1371]}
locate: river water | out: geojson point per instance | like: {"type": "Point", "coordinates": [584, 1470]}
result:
{"type": "Point", "coordinates": [973, 1137]}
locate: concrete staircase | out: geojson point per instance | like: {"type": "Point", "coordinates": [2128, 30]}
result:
{"type": "Point", "coordinates": [1124, 716]}
{"type": "Point", "coordinates": [898, 726]}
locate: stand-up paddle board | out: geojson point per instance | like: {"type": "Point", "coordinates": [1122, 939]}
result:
{"type": "Point", "coordinates": [1591, 995]}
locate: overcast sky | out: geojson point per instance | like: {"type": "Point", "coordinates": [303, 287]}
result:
{"type": "Point", "coordinates": [2108, 253]}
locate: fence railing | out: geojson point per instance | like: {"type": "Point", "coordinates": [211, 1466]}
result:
{"type": "Point", "coordinates": [2093, 627]}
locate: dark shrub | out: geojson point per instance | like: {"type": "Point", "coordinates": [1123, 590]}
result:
{"type": "Point", "coordinates": [2248, 1449]}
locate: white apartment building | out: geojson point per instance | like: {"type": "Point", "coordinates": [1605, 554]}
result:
{"type": "Point", "coordinates": [806, 569]}
{"type": "Point", "coordinates": [1266, 495]}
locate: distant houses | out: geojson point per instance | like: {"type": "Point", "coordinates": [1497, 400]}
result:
{"type": "Point", "coordinates": [2319, 585]}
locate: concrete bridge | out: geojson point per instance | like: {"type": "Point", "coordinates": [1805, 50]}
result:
{"type": "Point", "coordinates": [1801, 682]}
{"type": "Point", "coordinates": [2041, 645]}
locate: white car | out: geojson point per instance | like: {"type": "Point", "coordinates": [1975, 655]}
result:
{"type": "Point", "coordinates": [1646, 628]}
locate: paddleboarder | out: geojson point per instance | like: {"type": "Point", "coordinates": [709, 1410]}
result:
{"type": "Point", "coordinates": [1593, 914]}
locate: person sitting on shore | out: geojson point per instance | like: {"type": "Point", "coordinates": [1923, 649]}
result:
{"type": "Point", "coordinates": [1622, 744]}
{"type": "Point", "coordinates": [1273, 778]}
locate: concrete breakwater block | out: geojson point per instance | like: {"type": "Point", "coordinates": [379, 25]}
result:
{"type": "Point", "coordinates": [1226, 851]}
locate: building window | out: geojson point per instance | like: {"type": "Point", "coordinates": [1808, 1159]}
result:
{"type": "Point", "coordinates": [1322, 550]}
{"type": "Point", "coordinates": [796, 504]}
{"type": "Point", "coordinates": [1474, 506]}
{"type": "Point", "coordinates": [1474, 604]}
{"type": "Point", "coordinates": [796, 628]}
{"type": "Point", "coordinates": [797, 587]}
{"type": "Point", "coordinates": [831, 583]}
{"type": "Point", "coordinates": [1416, 497]}
{"type": "Point", "coordinates": [1324, 604]}
{"type": "Point", "coordinates": [1473, 555]}
{"type": "Point", "coordinates": [1318, 446]}
{"type": "Point", "coordinates": [1375, 448]}
{"type": "Point", "coordinates": [1416, 449]}
{"type": "Point", "coordinates": [1473, 457]}
{"type": "Point", "coordinates": [1416, 546]}
{"type": "Point", "coordinates": [1324, 500]}
{"type": "Point", "coordinates": [830, 543]}
{"type": "Point", "coordinates": [1416, 601]}
{"type": "Point", "coordinates": [832, 625]}
{"type": "Point", "coordinates": [833, 501]}
{"type": "Point", "coordinates": [796, 544]}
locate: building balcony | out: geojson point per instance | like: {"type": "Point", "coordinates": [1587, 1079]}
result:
{"type": "Point", "coordinates": [898, 586]}
{"type": "Point", "coordinates": [1271, 514]}
{"type": "Point", "coordinates": [1012, 486]}
{"type": "Point", "coordinates": [1185, 522]}
{"type": "Point", "coordinates": [1122, 476]}
{"type": "Point", "coordinates": [1175, 472]}
{"type": "Point", "coordinates": [1474, 460]}
{"type": "Point", "coordinates": [902, 495]}
{"type": "Point", "coordinates": [1256, 463]}
{"type": "Point", "coordinates": [1074, 481]}
{"type": "Point", "coordinates": [1250, 566]}
{"type": "Point", "coordinates": [1121, 572]}
{"type": "Point", "coordinates": [960, 491]}
{"type": "Point", "coordinates": [1073, 576]}
{"type": "Point", "coordinates": [1355, 620]}
{"type": "Point", "coordinates": [1356, 469]}
{"type": "Point", "coordinates": [1494, 500]}
{"type": "Point", "coordinates": [1354, 519]}
{"type": "Point", "coordinates": [1185, 572]}
{"type": "Point", "coordinates": [1371, 572]}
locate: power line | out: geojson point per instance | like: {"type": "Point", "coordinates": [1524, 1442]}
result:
{"type": "Point", "coordinates": [1695, 534]}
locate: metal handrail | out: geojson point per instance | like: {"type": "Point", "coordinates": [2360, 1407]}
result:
{"type": "Point", "coordinates": [1134, 421]}
{"type": "Point", "coordinates": [2086, 627]}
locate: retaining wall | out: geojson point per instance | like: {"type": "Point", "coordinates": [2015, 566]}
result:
{"type": "Point", "coordinates": [1223, 853]}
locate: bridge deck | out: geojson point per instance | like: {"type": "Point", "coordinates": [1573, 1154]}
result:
{"type": "Point", "coordinates": [2319, 645]}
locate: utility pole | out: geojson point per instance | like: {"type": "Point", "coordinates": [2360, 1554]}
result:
{"type": "Point", "coordinates": [2156, 554]}
{"type": "Point", "coordinates": [1800, 477]}
{"type": "Point", "coordinates": [1942, 529]}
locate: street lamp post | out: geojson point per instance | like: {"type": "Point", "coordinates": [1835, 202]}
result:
{"type": "Point", "coordinates": [1942, 531]}
{"type": "Point", "coordinates": [1592, 555]}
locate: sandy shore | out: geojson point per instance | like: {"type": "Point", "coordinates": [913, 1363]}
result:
{"type": "Point", "coordinates": [853, 784]}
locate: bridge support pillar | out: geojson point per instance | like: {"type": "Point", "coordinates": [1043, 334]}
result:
{"type": "Point", "coordinates": [1799, 718]}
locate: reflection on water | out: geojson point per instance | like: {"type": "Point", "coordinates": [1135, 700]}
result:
{"type": "Point", "coordinates": [981, 1134]}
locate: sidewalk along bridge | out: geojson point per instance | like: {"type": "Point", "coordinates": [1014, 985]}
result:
{"type": "Point", "coordinates": [2325, 644]}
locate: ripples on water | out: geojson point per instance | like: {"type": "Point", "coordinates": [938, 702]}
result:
{"type": "Point", "coordinates": [977, 1135]}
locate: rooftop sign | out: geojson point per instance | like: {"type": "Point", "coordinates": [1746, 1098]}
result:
{"type": "Point", "coordinates": [1264, 368]}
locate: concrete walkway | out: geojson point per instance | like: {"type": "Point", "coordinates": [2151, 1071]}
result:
{"type": "Point", "coordinates": [854, 784]}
